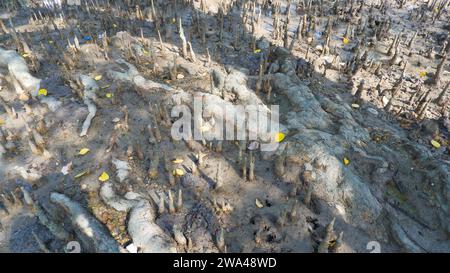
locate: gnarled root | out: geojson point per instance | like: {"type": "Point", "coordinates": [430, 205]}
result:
{"type": "Point", "coordinates": [54, 228]}
{"type": "Point", "coordinates": [92, 234]}
{"type": "Point", "coordinates": [90, 86]}
{"type": "Point", "coordinates": [146, 234]}
{"type": "Point", "coordinates": [122, 169]}
{"type": "Point", "coordinates": [109, 196]}
{"type": "Point", "coordinates": [133, 76]}
{"type": "Point", "coordinates": [23, 81]}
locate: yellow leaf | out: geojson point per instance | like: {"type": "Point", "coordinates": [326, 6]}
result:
{"type": "Point", "coordinates": [106, 86]}
{"type": "Point", "coordinates": [177, 161]}
{"type": "Point", "coordinates": [80, 174]}
{"type": "Point", "coordinates": [257, 51]}
{"type": "Point", "coordinates": [174, 20]}
{"type": "Point", "coordinates": [98, 77]}
{"type": "Point", "coordinates": [436, 144]}
{"type": "Point", "coordinates": [422, 73]}
{"type": "Point", "coordinates": [258, 203]}
{"type": "Point", "coordinates": [279, 137]}
{"type": "Point", "coordinates": [2, 122]}
{"type": "Point", "coordinates": [345, 40]}
{"type": "Point", "coordinates": [103, 177]}
{"type": "Point", "coordinates": [354, 105]}
{"type": "Point", "coordinates": [109, 95]}
{"type": "Point", "coordinates": [25, 55]}
{"type": "Point", "coordinates": [50, 42]}
{"type": "Point", "coordinates": [178, 172]}
{"type": "Point", "coordinates": [114, 25]}
{"type": "Point", "coordinates": [146, 52]}
{"type": "Point", "coordinates": [42, 92]}
{"type": "Point", "coordinates": [346, 161]}
{"type": "Point", "coordinates": [83, 151]}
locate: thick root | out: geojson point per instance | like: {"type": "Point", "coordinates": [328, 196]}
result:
{"type": "Point", "coordinates": [25, 83]}
{"type": "Point", "coordinates": [113, 200]}
{"type": "Point", "coordinates": [132, 75]}
{"type": "Point", "coordinates": [92, 234]}
{"type": "Point", "coordinates": [146, 234]}
{"type": "Point", "coordinates": [90, 86]}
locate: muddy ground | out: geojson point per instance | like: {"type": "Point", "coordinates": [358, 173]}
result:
{"type": "Point", "coordinates": [362, 163]}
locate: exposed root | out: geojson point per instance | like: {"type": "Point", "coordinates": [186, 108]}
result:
{"type": "Point", "coordinates": [53, 227]}
{"type": "Point", "coordinates": [133, 76]}
{"type": "Point", "coordinates": [146, 234]}
{"type": "Point", "coordinates": [109, 196]}
{"type": "Point", "coordinates": [92, 234]}
{"type": "Point", "coordinates": [24, 82]}
{"type": "Point", "coordinates": [90, 87]}
{"type": "Point", "coordinates": [122, 169]}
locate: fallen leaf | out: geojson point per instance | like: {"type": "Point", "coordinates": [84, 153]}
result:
{"type": "Point", "coordinates": [65, 170]}
{"type": "Point", "coordinates": [346, 161]}
{"type": "Point", "coordinates": [109, 95]}
{"type": "Point", "coordinates": [98, 77]}
{"type": "Point", "coordinates": [258, 203]}
{"type": "Point", "coordinates": [177, 161]}
{"type": "Point", "coordinates": [83, 151]}
{"type": "Point", "coordinates": [257, 51]}
{"type": "Point", "coordinates": [279, 137]}
{"type": "Point", "coordinates": [80, 174]}
{"type": "Point", "coordinates": [103, 177]}
{"type": "Point", "coordinates": [132, 248]}
{"type": "Point", "coordinates": [174, 20]}
{"type": "Point", "coordinates": [2, 122]}
{"type": "Point", "coordinates": [178, 172]}
{"type": "Point", "coordinates": [25, 55]}
{"type": "Point", "coordinates": [345, 40]}
{"type": "Point", "coordinates": [114, 25]}
{"type": "Point", "coordinates": [354, 105]}
{"type": "Point", "coordinates": [253, 145]}
{"type": "Point", "coordinates": [435, 144]}
{"type": "Point", "coordinates": [200, 155]}
{"type": "Point", "coordinates": [42, 92]}
{"type": "Point", "coordinates": [385, 100]}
